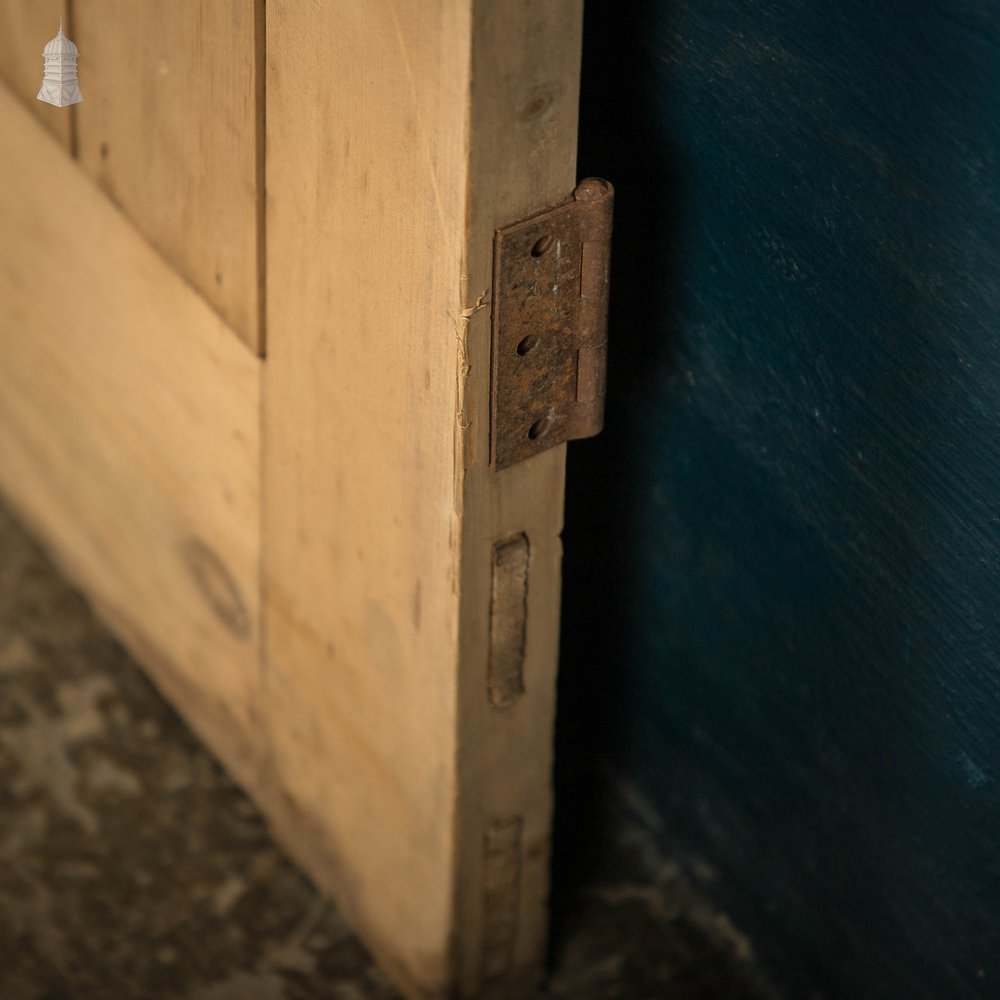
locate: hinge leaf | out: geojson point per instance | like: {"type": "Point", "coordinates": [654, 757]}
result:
{"type": "Point", "coordinates": [550, 321]}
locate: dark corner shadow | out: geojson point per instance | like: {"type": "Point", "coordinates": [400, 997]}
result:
{"type": "Point", "coordinates": [624, 138]}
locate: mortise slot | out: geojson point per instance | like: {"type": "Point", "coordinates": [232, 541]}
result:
{"type": "Point", "coordinates": [508, 621]}
{"type": "Point", "coordinates": [501, 895]}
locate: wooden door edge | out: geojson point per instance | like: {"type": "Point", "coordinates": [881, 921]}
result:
{"type": "Point", "coordinates": [523, 136]}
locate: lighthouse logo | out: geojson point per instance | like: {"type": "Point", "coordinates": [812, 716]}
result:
{"type": "Point", "coordinates": [60, 86]}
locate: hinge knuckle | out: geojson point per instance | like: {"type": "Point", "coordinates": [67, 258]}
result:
{"type": "Point", "coordinates": [550, 320]}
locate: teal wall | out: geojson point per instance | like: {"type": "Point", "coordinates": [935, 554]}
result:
{"type": "Point", "coordinates": [782, 611]}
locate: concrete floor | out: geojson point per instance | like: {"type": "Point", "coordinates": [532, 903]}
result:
{"type": "Point", "coordinates": [131, 866]}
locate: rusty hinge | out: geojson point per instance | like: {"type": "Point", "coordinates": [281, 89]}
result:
{"type": "Point", "coordinates": [550, 320]}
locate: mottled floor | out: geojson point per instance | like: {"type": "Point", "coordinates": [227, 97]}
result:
{"type": "Point", "coordinates": [132, 867]}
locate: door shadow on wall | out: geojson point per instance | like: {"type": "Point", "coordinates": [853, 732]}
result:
{"type": "Point", "coordinates": [848, 817]}
{"type": "Point", "coordinates": [625, 140]}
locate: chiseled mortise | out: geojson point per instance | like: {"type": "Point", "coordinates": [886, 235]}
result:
{"type": "Point", "coordinates": [508, 621]}
{"type": "Point", "coordinates": [502, 850]}
{"type": "Point", "coordinates": [217, 586]}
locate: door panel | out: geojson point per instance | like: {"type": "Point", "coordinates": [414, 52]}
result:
{"type": "Point", "coordinates": [129, 433]}
{"type": "Point", "coordinates": [170, 128]}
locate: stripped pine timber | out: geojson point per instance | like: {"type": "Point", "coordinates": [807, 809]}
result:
{"type": "Point", "coordinates": [399, 137]}
{"type": "Point", "coordinates": [391, 700]}
{"type": "Point", "coordinates": [366, 116]}
{"type": "Point", "coordinates": [522, 158]}
{"type": "Point", "coordinates": [129, 418]}
{"type": "Point", "coordinates": [25, 27]}
{"type": "Point", "coordinates": [171, 128]}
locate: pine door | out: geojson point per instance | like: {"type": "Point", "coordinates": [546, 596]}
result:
{"type": "Point", "coordinates": [245, 293]}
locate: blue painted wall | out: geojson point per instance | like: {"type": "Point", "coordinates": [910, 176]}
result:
{"type": "Point", "coordinates": [782, 608]}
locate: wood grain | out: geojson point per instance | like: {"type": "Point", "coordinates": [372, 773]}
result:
{"type": "Point", "coordinates": [170, 129]}
{"type": "Point", "coordinates": [398, 140]}
{"type": "Point", "coordinates": [522, 158]}
{"type": "Point", "coordinates": [366, 212]}
{"type": "Point", "coordinates": [129, 436]}
{"type": "Point", "coordinates": [25, 27]}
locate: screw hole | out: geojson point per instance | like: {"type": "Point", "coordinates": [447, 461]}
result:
{"type": "Point", "coordinates": [543, 245]}
{"type": "Point", "coordinates": [529, 343]}
{"type": "Point", "coordinates": [540, 428]}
